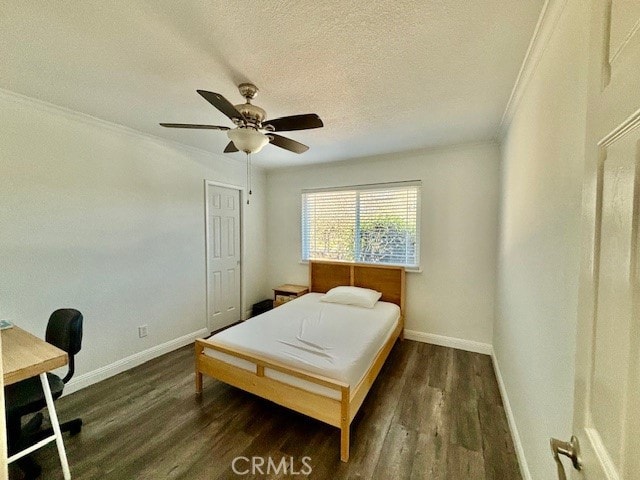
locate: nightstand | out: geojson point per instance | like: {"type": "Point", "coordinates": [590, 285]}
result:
{"type": "Point", "coordinates": [287, 292]}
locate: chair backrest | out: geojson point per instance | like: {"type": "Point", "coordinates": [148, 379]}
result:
{"type": "Point", "coordinates": [64, 330]}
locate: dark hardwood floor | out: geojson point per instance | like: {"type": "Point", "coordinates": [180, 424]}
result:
{"type": "Point", "coordinates": [433, 413]}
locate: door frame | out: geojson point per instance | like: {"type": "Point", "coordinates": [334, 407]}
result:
{"type": "Point", "coordinates": [241, 197]}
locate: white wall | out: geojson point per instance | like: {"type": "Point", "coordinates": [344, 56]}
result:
{"type": "Point", "coordinates": [454, 295]}
{"type": "Point", "coordinates": [100, 218]}
{"type": "Point", "coordinates": [536, 306]}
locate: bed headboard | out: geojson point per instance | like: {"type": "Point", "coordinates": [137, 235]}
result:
{"type": "Point", "coordinates": [323, 276]}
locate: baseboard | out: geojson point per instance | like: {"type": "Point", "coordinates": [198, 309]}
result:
{"type": "Point", "coordinates": [522, 461]}
{"type": "Point", "coordinates": [102, 373]}
{"type": "Point", "coordinates": [485, 348]}
{"type": "Point", "coordinates": [443, 341]}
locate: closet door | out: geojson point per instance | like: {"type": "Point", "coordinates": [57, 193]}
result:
{"type": "Point", "coordinates": [223, 256]}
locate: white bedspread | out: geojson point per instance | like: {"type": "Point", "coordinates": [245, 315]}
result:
{"type": "Point", "coordinates": [336, 341]}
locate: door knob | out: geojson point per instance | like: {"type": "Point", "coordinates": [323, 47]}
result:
{"type": "Point", "coordinates": [569, 449]}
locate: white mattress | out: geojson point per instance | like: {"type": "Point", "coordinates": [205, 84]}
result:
{"type": "Point", "coordinates": [332, 340]}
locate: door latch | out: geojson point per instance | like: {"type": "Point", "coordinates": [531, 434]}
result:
{"type": "Point", "coordinates": [569, 449]}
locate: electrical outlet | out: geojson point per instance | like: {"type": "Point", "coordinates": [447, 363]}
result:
{"type": "Point", "coordinates": [142, 331]}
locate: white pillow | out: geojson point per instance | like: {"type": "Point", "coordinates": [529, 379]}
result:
{"type": "Point", "coordinates": [361, 297]}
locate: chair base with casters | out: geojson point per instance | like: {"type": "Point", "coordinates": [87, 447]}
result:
{"type": "Point", "coordinates": [27, 397]}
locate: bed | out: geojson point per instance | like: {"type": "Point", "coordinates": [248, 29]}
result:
{"type": "Point", "coordinates": [296, 371]}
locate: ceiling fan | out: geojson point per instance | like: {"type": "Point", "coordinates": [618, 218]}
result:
{"type": "Point", "coordinates": [252, 131]}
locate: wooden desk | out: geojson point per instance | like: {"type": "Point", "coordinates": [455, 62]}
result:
{"type": "Point", "coordinates": [24, 356]}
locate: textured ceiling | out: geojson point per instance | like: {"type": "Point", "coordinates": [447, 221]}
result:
{"type": "Point", "coordinates": [385, 76]}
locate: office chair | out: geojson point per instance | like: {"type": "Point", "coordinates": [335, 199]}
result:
{"type": "Point", "coordinates": [64, 330]}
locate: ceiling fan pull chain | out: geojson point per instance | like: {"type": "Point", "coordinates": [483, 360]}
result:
{"type": "Point", "coordinates": [248, 176]}
{"type": "Point", "coordinates": [247, 180]}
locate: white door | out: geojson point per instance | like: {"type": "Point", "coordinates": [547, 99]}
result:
{"type": "Point", "coordinates": [607, 389]}
{"type": "Point", "coordinates": [223, 255]}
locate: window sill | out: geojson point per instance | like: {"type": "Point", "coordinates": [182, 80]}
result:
{"type": "Point", "coordinates": [406, 269]}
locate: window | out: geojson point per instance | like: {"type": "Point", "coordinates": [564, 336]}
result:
{"type": "Point", "coordinates": [366, 223]}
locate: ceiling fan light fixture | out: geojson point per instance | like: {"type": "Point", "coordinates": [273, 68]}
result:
{"type": "Point", "coordinates": [247, 140]}
{"type": "Point", "coordinates": [252, 131]}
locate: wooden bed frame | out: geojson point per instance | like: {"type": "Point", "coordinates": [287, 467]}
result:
{"type": "Point", "coordinates": [337, 412]}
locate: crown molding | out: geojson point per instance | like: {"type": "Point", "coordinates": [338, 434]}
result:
{"type": "Point", "coordinates": [547, 21]}
{"type": "Point", "coordinates": [117, 128]}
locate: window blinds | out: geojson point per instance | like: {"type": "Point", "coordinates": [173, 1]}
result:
{"type": "Point", "coordinates": [367, 223]}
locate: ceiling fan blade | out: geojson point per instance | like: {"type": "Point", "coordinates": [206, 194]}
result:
{"type": "Point", "coordinates": [230, 148]}
{"type": "Point", "coordinates": [192, 125]}
{"type": "Point", "coordinates": [287, 143]}
{"type": "Point", "coordinates": [221, 104]}
{"type": "Point", "coordinates": [295, 122]}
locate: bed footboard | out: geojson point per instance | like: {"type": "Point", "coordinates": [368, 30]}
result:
{"type": "Point", "coordinates": [337, 412]}
{"type": "Point", "coordinates": [333, 411]}
{"type": "Point", "coordinates": [199, 349]}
